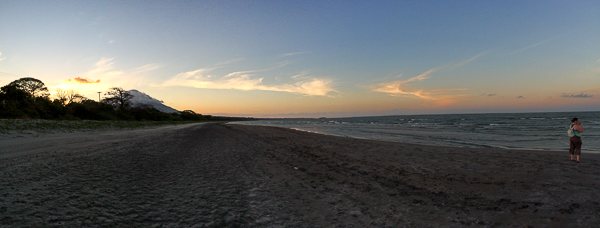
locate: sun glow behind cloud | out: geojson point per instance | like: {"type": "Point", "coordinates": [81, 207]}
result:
{"type": "Point", "coordinates": [105, 75]}
{"type": "Point", "coordinates": [402, 88]}
{"type": "Point", "coordinates": [440, 97]}
{"type": "Point", "coordinates": [84, 80]}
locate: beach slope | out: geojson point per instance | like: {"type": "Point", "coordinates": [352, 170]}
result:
{"type": "Point", "coordinates": [220, 175]}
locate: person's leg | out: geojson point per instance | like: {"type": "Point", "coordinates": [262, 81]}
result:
{"type": "Point", "coordinates": [577, 147]}
{"type": "Point", "coordinates": [571, 148]}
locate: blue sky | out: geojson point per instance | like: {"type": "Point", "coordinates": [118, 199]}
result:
{"type": "Point", "coordinates": [313, 58]}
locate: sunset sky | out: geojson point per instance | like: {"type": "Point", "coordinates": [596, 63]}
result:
{"type": "Point", "coordinates": [313, 58]}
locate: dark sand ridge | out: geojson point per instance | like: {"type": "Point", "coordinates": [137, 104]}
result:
{"type": "Point", "coordinates": [217, 175]}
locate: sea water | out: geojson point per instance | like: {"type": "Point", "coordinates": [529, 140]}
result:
{"type": "Point", "coordinates": [538, 131]}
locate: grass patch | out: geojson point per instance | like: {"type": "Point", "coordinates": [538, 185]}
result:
{"type": "Point", "coordinates": [50, 126]}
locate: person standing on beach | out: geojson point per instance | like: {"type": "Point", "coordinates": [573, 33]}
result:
{"type": "Point", "coordinates": [576, 140]}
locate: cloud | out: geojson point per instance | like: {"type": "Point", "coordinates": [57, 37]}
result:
{"type": "Point", "coordinates": [295, 53]}
{"type": "Point", "coordinates": [2, 58]}
{"type": "Point", "coordinates": [470, 60]}
{"type": "Point", "coordinates": [229, 61]}
{"type": "Point", "coordinates": [441, 97]}
{"type": "Point", "coordinates": [302, 74]}
{"type": "Point", "coordinates": [83, 80]}
{"type": "Point", "coordinates": [530, 46]}
{"type": "Point", "coordinates": [581, 95]}
{"type": "Point", "coordinates": [489, 95]}
{"type": "Point", "coordinates": [519, 97]}
{"type": "Point", "coordinates": [105, 70]}
{"type": "Point", "coordinates": [402, 88]}
{"type": "Point", "coordinates": [144, 68]}
{"type": "Point", "coordinates": [104, 67]}
{"type": "Point", "coordinates": [397, 88]}
{"type": "Point", "coordinates": [103, 75]}
{"type": "Point", "coordinates": [246, 80]}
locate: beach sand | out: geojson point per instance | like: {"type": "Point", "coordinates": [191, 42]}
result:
{"type": "Point", "coordinates": [223, 175]}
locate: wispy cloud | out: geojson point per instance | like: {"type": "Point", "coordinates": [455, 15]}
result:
{"type": "Point", "coordinates": [581, 95]}
{"type": "Point", "coordinates": [402, 88]}
{"type": "Point", "coordinates": [530, 46]}
{"type": "Point", "coordinates": [84, 80]}
{"type": "Point", "coordinates": [294, 53]}
{"type": "Point", "coordinates": [489, 95]}
{"type": "Point", "coordinates": [105, 67]}
{"type": "Point", "coordinates": [520, 97]}
{"type": "Point", "coordinates": [302, 74]}
{"type": "Point", "coordinates": [397, 88]}
{"type": "Point", "coordinates": [470, 60]}
{"type": "Point", "coordinates": [440, 97]}
{"type": "Point", "coordinates": [104, 74]}
{"type": "Point", "coordinates": [247, 80]}
{"type": "Point", "coordinates": [229, 61]}
{"type": "Point", "coordinates": [144, 68]}
{"type": "Point", "coordinates": [2, 58]}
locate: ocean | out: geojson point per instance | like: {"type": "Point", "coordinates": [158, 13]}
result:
{"type": "Point", "coordinates": [537, 131]}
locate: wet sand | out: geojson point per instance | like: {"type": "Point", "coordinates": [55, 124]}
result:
{"type": "Point", "coordinates": [218, 175]}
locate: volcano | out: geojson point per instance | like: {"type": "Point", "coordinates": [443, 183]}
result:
{"type": "Point", "coordinates": [143, 99]}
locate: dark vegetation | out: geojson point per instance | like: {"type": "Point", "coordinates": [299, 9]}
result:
{"type": "Point", "coordinates": [28, 98]}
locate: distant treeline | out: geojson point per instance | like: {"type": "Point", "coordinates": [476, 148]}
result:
{"type": "Point", "coordinates": [28, 98]}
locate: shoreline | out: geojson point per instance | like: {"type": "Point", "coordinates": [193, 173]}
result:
{"type": "Point", "coordinates": [583, 150]}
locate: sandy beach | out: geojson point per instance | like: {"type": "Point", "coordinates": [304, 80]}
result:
{"type": "Point", "coordinates": [225, 175]}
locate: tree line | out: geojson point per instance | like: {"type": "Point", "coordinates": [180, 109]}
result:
{"type": "Point", "coordinates": [29, 98]}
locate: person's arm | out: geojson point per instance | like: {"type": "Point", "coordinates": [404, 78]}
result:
{"type": "Point", "coordinates": [579, 127]}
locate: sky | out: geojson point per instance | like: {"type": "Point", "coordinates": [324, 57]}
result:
{"type": "Point", "coordinates": [313, 58]}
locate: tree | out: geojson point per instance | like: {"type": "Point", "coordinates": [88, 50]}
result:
{"type": "Point", "coordinates": [61, 96]}
{"type": "Point", "coordinates": [69, 96]}
{"type": "Point", "coordinates": [73, 96]}
{"type": "Point", "coordinates": [189, 112]}
{"type": "Point", "coordinates": [191, 115]}
{"type": "Point", "coordinates": [15, 102]}
{"type": "Point", "coordinates": [118, 97]}
{"type": "Point", "coordinates": [32, 86]}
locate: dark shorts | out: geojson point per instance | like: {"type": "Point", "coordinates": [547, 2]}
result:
{"type": "Point", "coordinates": [575, 145]}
